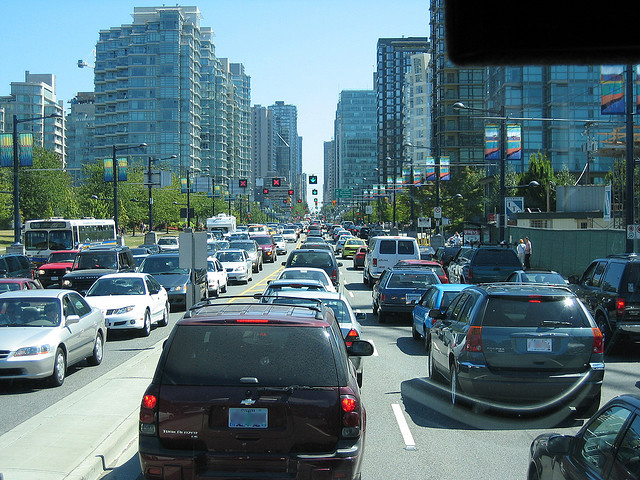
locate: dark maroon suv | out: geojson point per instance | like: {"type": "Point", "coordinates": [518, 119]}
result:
{"type": "Point", "coordinates": [247, 390]}
{"type": "Point", "coordinates": [268, 246]}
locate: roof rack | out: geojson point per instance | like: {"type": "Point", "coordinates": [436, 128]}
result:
{"type": "Point", "coordinates": [217, 301]}
{"type": "Point", "coordinates": [623, 255]}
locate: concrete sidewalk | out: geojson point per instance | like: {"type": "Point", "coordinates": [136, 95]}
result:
{"type": "Point", "coordinates": [84, 435]}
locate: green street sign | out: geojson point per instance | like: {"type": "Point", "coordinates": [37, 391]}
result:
{"type": "Point", "coordinates": [344, 193]}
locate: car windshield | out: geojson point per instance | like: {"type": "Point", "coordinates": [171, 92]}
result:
{"type": "Point", "coordinates": [32, 312]}
{"type": "Point", "coordinates": [321, 276]}
{"type": "Point", "coordinates": [310, 259]}
{"type": "Point", "coordinates": [263, 240]}
{"type": "Point", "coordinates": [534, 311]}
{"type": "Point", "coordinates": [116, 286]}
{"type": "Point", "coordinates": [57, 257]}
{"type": "Point", "coordinates": [168, 241]}
{"type": "Point", "coordinates": [543, 278]}
{"type": "Point", "coordinates": [95, 260]}
{"type": "Point", "coordinates": [229, 256]}
{"type": "Point", "coordinates": [160, 265]}
{"type": "Point", "coordinates": [248, 246]}
{"type": "Point", "coordinates": [339, 308]}
{"type": "Point", "coordinates": [412, 280]}
{"type": "Point", "coordinates": [9, 287]}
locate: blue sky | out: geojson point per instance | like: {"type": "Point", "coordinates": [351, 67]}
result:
{"type": "Point", "coordinates": [302, 52]}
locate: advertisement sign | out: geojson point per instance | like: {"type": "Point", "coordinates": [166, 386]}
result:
{"type": "Point", "coordinates": [514, 142]}
{"type": "Point", "coordinates": [492, 141]}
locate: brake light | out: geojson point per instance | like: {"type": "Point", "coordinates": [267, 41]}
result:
{"type": "Point", "coordinates": [383, 297]}
{"type": "Point", "coordinates": [470, 274]}
{"type": "Point", "coordinates": [252, 320]}
{"type": "Point", "coordinates": [598, 341]}
{"type": "Point", "coordinates": [351, 336]}
{"type": "Point", "coordinates": [473, 343]}
{"type": "Point", "coordinates": [621, 305]}
{"type": "Point", "coordinates": [149, 401]}
{"type": "Point", "coordinates": [148, 414]}
{"type": "Point", "coordinates": [334, 275]}
{"type": "Point", "coordinates": [375, 262]}
{"type": "Point", "coordinates": [350, 414]}
{"type": "Point", "coordinates": [534, 299]}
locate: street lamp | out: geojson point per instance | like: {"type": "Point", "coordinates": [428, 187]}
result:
{"type": "Point", "coordinates": [115, 149]}
{"type": "Point", "coordinates": [151, 160]}
{"type": "Point", "coordinates": [189, 169]}
{"type": "Point", "coordinates": [17, 225]}
{"type": "Point", "coordinates": [503, 122]}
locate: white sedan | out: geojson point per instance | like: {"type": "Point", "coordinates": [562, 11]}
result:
{"type": "Point", "coordinates": [237, 263]}
{"type": "Point", "coordinates": [130, 301]}
{"type": "Point", "coordinates": [217, 278]}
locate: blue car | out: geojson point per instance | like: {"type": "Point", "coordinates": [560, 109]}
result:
{"type": "Point", "coordinates": [437, 296]}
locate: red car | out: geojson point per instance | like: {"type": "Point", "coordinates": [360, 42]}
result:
{"type": "Point", "coordinates": [12, 284]}
{"type": "Point", "coordinates": [268, 246]}
{"type": "Point", "coordinates": [433, 265]}
{"type": "Point", "coordinates": [58, 263]}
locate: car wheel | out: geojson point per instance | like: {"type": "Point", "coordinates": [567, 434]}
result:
{"type": "Point", "coordinates": [98, 351]}
{"type": "Point", "coordinates": [607, 335]}
{"type": "Point", "coordinates": [427, 341]}
{"type": "Point", "coordinates": [164, 321]}
{"type": "Point", "coordinates": [359, 378]}
{"type": "Point", "coordinates": [382, 316]}
{"type": "Point", "coordinates": [433, 373]}
{"type": "Point", "coordinates": [414, 333]}
{"type": "Point", "coordinates": [146, 328]}
{"type": "Point", "coordinates": [59, 369]}
{"type": "Point", "coordinates": [453, 385]}
{"type": "Point", "coordinates": [223, 289]}
{"type": "Point", "coordinates": [364, 277]}
{"type": "Point", "coordinates": [375, 308]}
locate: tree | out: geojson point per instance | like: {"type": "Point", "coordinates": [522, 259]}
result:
{"type": "Point", "coordinates": [541, 171]}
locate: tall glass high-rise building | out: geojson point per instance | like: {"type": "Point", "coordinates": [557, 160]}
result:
{"type": "Point", "coordinates": [356, 140]}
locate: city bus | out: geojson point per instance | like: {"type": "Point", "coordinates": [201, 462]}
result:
{"type": "Point", "coordinates": [41, 237]}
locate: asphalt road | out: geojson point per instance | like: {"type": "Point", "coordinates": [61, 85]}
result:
{"type": "Point", "coordinates": [412, 430]}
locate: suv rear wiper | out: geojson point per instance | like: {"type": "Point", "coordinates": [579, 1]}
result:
{"type": "Point", "coordinates": [555, 323]}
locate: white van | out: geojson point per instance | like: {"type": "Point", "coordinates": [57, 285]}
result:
{"type": "Point", "coordinates": [384, 252]}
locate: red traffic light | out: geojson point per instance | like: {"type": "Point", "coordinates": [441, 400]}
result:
{"type": "Point", "coordinates": [290, 192]}
{"type": "Point", "coordinates": [275, 182]}
{"type": "Point", "coordinates": [299, 200]}
{"type": "Point", "coordinates": [242, 183]}
{"type": "Point", "coordinates": [265, 191]}
{"type": "Point", "coordinates": [285, 200]}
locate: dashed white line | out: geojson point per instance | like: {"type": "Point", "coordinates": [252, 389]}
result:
{"type": "Point", "coordinates": [409, 443]}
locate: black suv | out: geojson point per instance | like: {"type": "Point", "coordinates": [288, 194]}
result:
{"type": "Point", "coordinates": [610, 288]}
{"type": "Point", "coordinates": [242, 388]}
{"type": "Point", "coordinates": [316, 258]}
{"type": "Point", "coordinates": [93, 262]}
{"type": "Point", "coordinates": [522, 347]}
{"type": "Point", "coordinates": [13, 265]}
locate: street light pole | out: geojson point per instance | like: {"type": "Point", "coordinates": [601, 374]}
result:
{"type": "Point", "coordinates": [17, 221]}
{"type": "Point", "coordinates": [150, 185]}
{"type": "Point", "coordinates": [115, 150]}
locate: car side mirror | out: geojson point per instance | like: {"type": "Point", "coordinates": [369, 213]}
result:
{"type": "Point", "coordinates": [573, 279]}
{"type": "Point", "coordinates": [437, 314]}
{"type": "Point", "coordinates": [361, 315]}
{"type": "Point", "coordinates": [559, 444]}
{"type": "Point", "coordinates": [360, 348]}
{"type": "Point", "coordinates": [339, 264]}
{"type": "Point", "coordinates": [71, 319]}
{"type": "Point", "coordinates": [284, 264]}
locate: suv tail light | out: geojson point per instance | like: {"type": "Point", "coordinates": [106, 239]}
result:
{"type": "Point", "coordinates": [148, 410]}
{"type": "Point", "coordinates": [473, 342]}
{"type": "Point", "coordinates": [351, 336]}
{"type": "Point", "coordinates": [334, 276]}
{"type": "Point", "coordinates": [351, 414]}
{"type": "Point", "coordinates": [621, 305]}
{"type": "Point", "coordinates": [470, 275]}
{"type": "Point", "coordinates": [598, 341]}
{"type": "Point", "coordinates": [375, 262]}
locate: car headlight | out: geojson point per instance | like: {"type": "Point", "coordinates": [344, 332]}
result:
{"type": "Point", "coordinates": [33, 350]}
{"type": "Point", "coordinates": [41, 272]}
{"type": "Point", "coordinates": [179, 288]}
{"type": "Point", "coordinates": [122, 310]}
{"type": "Point", "coordinates": [66, 283]}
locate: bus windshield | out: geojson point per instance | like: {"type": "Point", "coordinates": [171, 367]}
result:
{"type": "Point", "coordinates": [53, 240]}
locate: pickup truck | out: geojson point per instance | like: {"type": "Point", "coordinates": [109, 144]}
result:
{"type": "Point", "coordinates": [483, 264]}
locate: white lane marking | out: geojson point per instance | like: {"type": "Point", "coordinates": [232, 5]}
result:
{"type": "Point", "coordinates": [410, 444]}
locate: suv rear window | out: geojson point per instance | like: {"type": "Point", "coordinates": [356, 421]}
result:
{"type": "Point", "coordinates": [388, 247]}
{"type": "Point", "coordinates": [224, 354]}
{"type": "Point", "coordinates": [534, 311]}
{"type": "Point", "coordinates": [496, 257]}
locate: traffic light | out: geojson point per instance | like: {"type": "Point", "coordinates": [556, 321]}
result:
{"type": "Point", "coordinates": [313, 179]}
{"type": "Point", "coordinates": [275, 182]}
{"type": "Point", "coordinates": [290, 192]}
{"type": "Point", "coordinates": [242, 183]}
{"type": "Point", "coordinates": [315, 200]}
{"type": "Point", "coordinates": [265, 191]}
{"type": "Point", "coordinates": [285, 200]}
{"type": "Point", "coordinates": [299, 200]}
{"type": "Point", "coordinates": [314, 191]}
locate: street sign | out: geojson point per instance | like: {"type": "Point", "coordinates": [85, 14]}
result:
{"type": "Point", "coordinates": [606, 211]}
{"type": "Point", "coordinates": [513, 205]}
{"type": "Point", "coordinates": [368, 210]}
{"type": "Point", "coordinates": [631, 232]}
{"type": "Point", "coordinates": [344, 193]}
{"type": "Point", "coordinates": [424, 222]}
{"type": "Point", "coordinates": [437, 212]}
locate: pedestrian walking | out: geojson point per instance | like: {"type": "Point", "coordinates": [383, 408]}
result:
{"type": "Point", "coordinates": [520, 250]}
{"type": "Point", "coordinates": [527, 253]}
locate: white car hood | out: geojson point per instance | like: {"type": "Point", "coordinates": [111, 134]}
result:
{"type": "Point", "coordinates": [12, 338]}
{"type": "Point", "coordinates": [112, 302]}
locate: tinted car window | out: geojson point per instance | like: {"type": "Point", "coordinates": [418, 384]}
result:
{"type": "Point", "coordinates": [612, 277]}
{"type": "Point", "coordinates": [627, 457]}
{"type": "Point", "coordinates": [13, 264]}
{"type": "Point", "coordinates": [597, 276]}
{"type": "Point", "coordinates": [411, 280]}
{"type": "Point", "coordinates": [222, 355]}
{"type": "Point", "coordinates": [631, 279]}
{"type": "Point", "coordinates": [388, 246]}
{"type": "Point", "coordinates": [405, 247]}
{"type": "Point", "coordinates": [510, 310]}
{"type": "Point", "coordinates": [496, 257]}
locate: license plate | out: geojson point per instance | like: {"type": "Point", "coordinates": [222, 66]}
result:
{"type": "Point", "coordinates": [539, 345]}
{"type": "Point", "coordinates": [247, 418]}
{"type": "Point", "coordinates": [413, 298]}
{"type": "Point", "coordinates": [54, 278]}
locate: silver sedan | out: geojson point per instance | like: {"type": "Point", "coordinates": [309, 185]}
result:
{"type": "Point", "coordinates": [42, 332]}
